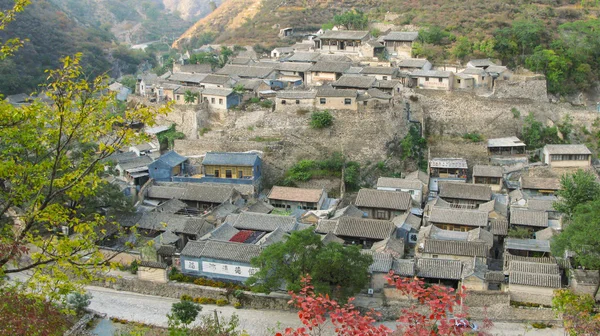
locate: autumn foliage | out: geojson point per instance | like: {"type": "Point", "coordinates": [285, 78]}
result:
{"type": "Point", "coordinates": [436, 307]}
{"type": "Point", "coordinates": [23, 315]}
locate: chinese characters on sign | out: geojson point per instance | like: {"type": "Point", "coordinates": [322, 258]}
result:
{"type": "Point", "coordinates": [191, 265]}
{"type": "Point", "coordinates": [225, 269]}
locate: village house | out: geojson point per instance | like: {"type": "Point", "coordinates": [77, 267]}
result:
{"type": "Point", "coordinates": [432, 79]}
{"type": "Point", "coordinates": [355, 82]}
{"type": "Point", "coordinates": [326, 72]}
{"type": "Point", "coordinates": [249, 71]}
{"type": "Point", "coordinates": [297, 198]}
{"type": "Point", "coordinates": [305, 57]}
{"type": "Point", "coordinates": [263, 222]}
{"type": "Point", "coordinates": [295, 99]}
{"type": "Point", "coordinates": [282, 52]}
{"type": "Point", "coordinates": [584, 281]}
{"type": "Point", "coordinates": [446, 169]}
{"type": "Point", "coordinates": [145, 148]}
{"type": "Point", "coordinates": [200, 68]}
{"type": "Point", "coordinates": [415, 188]}
{"type": "Point", "coordinates": [380, 72]}
{"type": "Point", "coordinates": [292, 73]}
{"type": "Point", "coordinates": [133, 170]}
{"type": "Point", "coordinates": [332, 99]}
{"type": "Point", "coordinates": [539, 186]}
{"type": "Point", "coordinates": [457, 219]}
{"type": "Point", "coordinates": [172, 229]}
{"type": "Point", "coordinates": [168, 91]}
{"type": "Point", "coordinates": [525, 248]}
{"type": "Point", "coordinates": [221, 98]}
{"type": "Point", "coordinates": [193, 93]}
{"type": "Point", "coordinates": [498, 72]}
{"type": "Point", "coordinates": [463, 82]}
{"type": "Point", "coordinates": [202, 196]}
{"type": "Point", "coordinates": [187, 79]}
{"type": "Point", "coordinates": [391, 87]}
{"type": "Point", "coordinates": [341, 41]}
{"type": "Point", "coordinates": [219, 260]}
{"type": "Point", "coordinates": [232, 167]}
{"type": "Point", "coordinates": [531, 220]}
{"type": "Point", "coordinates": [464, 195]}
{"type": "Point", "coordinates": [167, 166]}
{"type": "Point", "coordinates": [358, 231]}
{"type": "Point", "coordinates": [480, 77]}
{"type": "Point", "coordinates": [510, 146]}
{"type": "Point", "coordinates": [374, 99]}
{"type": "Point", "coordinates": [480, 63]}
{"type": "Point", "coordinates": [399, 44]}
{"type": "Point", "coordinates": [567, 156]}
{"type": "Point", "coordinates": [533, 282]}
{"type": "Point", "coordinates": [439, 271]}
{"type": "Point", "coordinates": [217, 81]}
{"type": "Point", "coordinates": [252, 87]}
{"type": "Point", "coordinates": [413, 64]}
{"type": "Point", "coordinates": [381, 204]}
{"type": "Point", "coordinates": [146, 85]}
{"type": "Point", "coordinates": [490, 176]}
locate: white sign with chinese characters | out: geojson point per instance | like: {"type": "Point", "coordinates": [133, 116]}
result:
{"type": "Point", "coordinates": [191, 265]}
{"type": "Point", "coordinates": [218, 268]}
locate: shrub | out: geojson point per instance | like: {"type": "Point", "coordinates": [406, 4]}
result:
{"type": "Point", "coordinates": [516, 113]}
{"type": "Point", "coordinates": [205, 300]}
{"type": "Point", "coordinates": [266, 103]}
{"type": "Point", "coordinates": [133, 268]}
{"type": "Point", "coordinates": [302, 112]}
{"type": "Point", "coordinates": [186, 297]}
{"type": "Point", "coordinates": [473, 137]}
{"type": "Point", "coordinates": [222, 302]}
{"type": "Point", "coordinates": [237, 305]}
{"type": "Point", "coordinates": [203, 130]}
{"type": "Point", "coordinates": [413, 98]}
{"type": "Point", "coordinates": [541, 325]}
{"type": "Point", "coordinates": [254, 100]}
{"type": "Point", "coordinates": [184, 312]}
{"type": "Point", "coordinates": [78, 301]}
{"type": "Point", "coordinates": [320, 120]}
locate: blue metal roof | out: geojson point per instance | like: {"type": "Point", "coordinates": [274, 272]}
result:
{"type": "Point", "coordinates": [172, 159]}
{"type": "Point", "coordinates": [233, 159]}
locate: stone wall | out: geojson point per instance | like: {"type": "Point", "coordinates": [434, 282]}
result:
{"type": "Point", "coordinates": [175, 290]}
{"type": "Point", "coordinates": [531, 88]}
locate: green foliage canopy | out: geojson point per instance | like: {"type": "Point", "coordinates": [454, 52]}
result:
{"type": "Point", "coordinates": [320, 120]}
{"type": "Point", "coordinates": [575, 189]}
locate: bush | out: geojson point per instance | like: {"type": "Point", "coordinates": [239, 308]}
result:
{"type": "Point", "coordinates": [222, 302]}
{"type": "Point", "coordinates": [237, 305]}
{"type": "Point", "coordinates": [266, 103]}
{"type": "Point", "coordinates": [541, 325]}
{"type": "Point", "coordinates": [320, 120]}
{"type": "Point", "coordinates": [516, 113]}
{"type": "Point", "coordinates": [205, 300]}
{"type": "Point", "coordinates": [133, 268]}
{"type": "Point", "coordinates": [203, 130]}
{"type": "Point", "coordinates": [473, 137]}
{"type": "Point", "coordinates": [254, 100]}
{"type": "Point", "coordinates": [78, 302]}
{"type": "Point", "coordinates": [413, 98]}
{"type": "Point", "coordinates": [186, 297]}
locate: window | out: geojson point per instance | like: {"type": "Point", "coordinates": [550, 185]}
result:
{"type": "Point", "coordinates": [317, 73]}
{"type": "Point", "coordinates": [212, 100]}
{"type": "Point", "coordinates": [297, 101]}
{"type": "Point", "coordinates": [220, 101]}
{"type": "Point", "coordinates": [283, 102]}
{"type": "Point", "coordinates": [440, 80]}
{"type": "Point", "coordinates": [323, 101]}
{"type": "Point", "coordinates": [384, 77]}
{"type": "Point", "coordinates": [434, 256]}
{"type": "Point", "coordinates": [216, 173]}
{"type": "Point", "coordinates": [458, 81]}
{"type": "Point", "coordinates": [240, 174]}
{"type": "Point", "coordinates": [228, 174]}
{"type": "Point", "coordinates": [365, 103]}
{"type": "Point", "coordinates": [347, 101]}
{"type": "Point", "coordinates": [427, 79]}
{"type": "Point", "coordinates": [380, 214]}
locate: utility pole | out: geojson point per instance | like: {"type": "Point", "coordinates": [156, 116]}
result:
{"type": "Point", "coordinates": [217, 321]}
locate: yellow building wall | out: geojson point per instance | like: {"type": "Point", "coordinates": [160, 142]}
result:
{"type": "Point", "coordinates": [246, 171]}
{"type": "Point", "coordinates": [568, 164]}
{"type": "Point", "coordinates": [336, 103]}
{"type": "Point", "coordinates": [152, 274]}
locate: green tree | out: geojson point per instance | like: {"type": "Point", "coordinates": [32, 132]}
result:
{"type": "Point", "coordinates": [167, 138]}
{"type": "Point", "coordinates": [435, 35]}
{"type": "Point", "coordinates": [352, 20]}
{"type": "Point", "coordinates": [182, 314]}
{"type": "Point", "coordinates": [129, 81]}
{"type": "Point", "coordinates": [520, 233]}
{"type": "Point", "coordinates": [302, 253]}
{"type": "Point", "coordinates": [581, 236]}
{"type": "Point", "coordinates": [462, 48]}
{"type": "Point", "coordinates": [576, 189]}
{"type": "Point", "coordinates": [579, 317]}
{"type": "Point", "coordinates": [320, 120]}
{"type": "Point", "coordinates": [239, 89]}
{"type": "Point", "coordinates": [554, 66]}
{"type": "Point", "coordinates": [190, 97]}
{"type": "Point", "coordinates": [49, 158]}
{"type": "Point", "coordinates": [536, 135]}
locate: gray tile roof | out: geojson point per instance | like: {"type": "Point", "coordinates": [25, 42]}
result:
{"type": "Point", "coordinates": [379, 70]}
{"type": "Point", "coordinates": [166, 250]}
{"type": "Point", "coordinates": [349, 210]}
{"type": "Point", "coordinates": [537, 183]}
{"type": "Point", "coordinates": [136, 162]}
{"type": "Point", "coordinates": [458, 217]}
{"type": "Point", "coordinates": [260, 207]}
{"type": "Point", "coordinates": [354, 81]}
{"type": "Point", "coordinates": [291, 94]}
{"type": "Point", "coordinates": [585, 277]}
{"type": "Point", "coordinates": [293, 66]}
{"type": "Point", "coordinates": [221, 250]}
{"type": "Point", "coordinates": [382, 262]}
{"type": "Point", "coordinates": [230, 159]}
{"type": "Point", "coordinates": [160, 221]}
{"type": "Point", "coordinates": [336, 93]}
{"type": "Point", "coordinates": [527, 244]}
{"type": "Point", "coordinates": [533, 267]}
{"type": "Point", "coordinates": [246, 71]}
{"type": "Point", "coordinates": [506, 142]}
{"type": "Point", "coordinates": [216, 79]}
{"type": "Point", "coordinates": [412, 63]}
{"type": "Point", "coordinates": [535, 280]}
{"type": "Point", "coordinates": [391, 245]}
{"type": "Point", "coordinates": [224, 232]}
{"type": "Point", "coordinates": [295, 194]}
{"type": "Point", "coordinates": [418, 175]}
{"type": "Point", "coordinates": [404, 267]}
{"type": "Point", "coordinates": [510, 258]}
{"type": "Point", "coordinates": [364, 228]}
{"type": "Point", "coordinates": [195, 68]}
{"type": "Point", "coordinates": [186, 77]}
{"type": "Point", "coordinates": [465, 191]}
{"type": "Point", "coordinates": [172, 159]}
{"type": "Point", "coordinates": [487, 171]}
{"type": "Point", "coordinates": [431, 73]}
{"type": "Point", "coordinates": [273, 237]}
{"type": "Point", "coordinates": [324, 66]}
{"type": "Point", "coordinates": [498, 69]}
{"type": "Point", "coordinates": [541, 204]}
{"type": "Point", "coordinates": [494, 276]}
{"type": "Point", "coordinates": [499, 227]}
{"type": "Point", "coordinates": [212, 91]}
{"type": "Point", "coordinates": [304, 57]}
{"type": "Point", "coordinates": [529, 218]}
{"type": "Point", "coordinates": [401, 36]}
{"type": "Point", "coordinates": [200, 192]}
{"type": "Point", "coordinates": [334, 58]}
{"type": "Point", "coordinates": [264, 222]}
{"type": "Point", "coordinates": [153, 264]}
{"type": "Point", "coordinates": [171, 206]}
{"type": "Point", "coordinates": [326, 226]}
{"type": "Point", "coordinates": [567, 149]}
{"type": "Point", "coordinates": [487, 206]}
{"type": "Point", "coordinates": [331, 238]}
{"type": "Point", "coordinates": [413, 221]}
{"type": "Point", "coordinates": [481, 62]}
{"type": "Point", "coordinates": [386, 84]}
{"type": "Point", "coordinates": [382, 199]}
{"type": "Point", "coordinates": [250, 83]}
{"type": "Point", "coordinates": [439, 268]}
{"type": "Point", "coordinates": [344, 35]}
{"type": "Point", "coordinates": [391, 182]}
{"type": "Point", "coordinates": [546, 234]}
{"type": "Point", "coordinates": [461, 248]}
{"type": "Point", "coordinates": [378, 94]}
{"type": "Point", "coordinates": [474, 71]}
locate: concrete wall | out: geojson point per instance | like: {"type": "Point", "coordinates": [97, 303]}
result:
{"type": "Point", "coordinates": [530, 294]}
{"type": "Point", "coordinates": [389, 214]}
{"type": "Point", "coordinates": [152, 274]}
{"type": "Point", "coordinates": [319, 78]}
{"type": "Point", "coordinates": [336, 103]}
{"type": "Point", "coordinates": [296, 104]}
{"type": "Point", "coordinates": [434, 83]}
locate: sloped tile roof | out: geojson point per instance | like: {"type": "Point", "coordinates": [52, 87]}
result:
{"type": "Point", "coordinates": [272, 237]}
{"type": "Point", "coordinates": [264, 222]}
{"type": "Point", "coordinates": [354, 81]}
{"type": "Point", "coordinates": [172, 159]}
{"type": "Point", "coordinates": [199, 192]}
{"type": "Point", "coordinates": [418, 175]}
{"type": "Point", "coordinates": [336, 93]}
{"type": "Point", "coordinates": [412, 63]}
{"type": "Point", "coordinates": [326, 226]}
{"type": "Point", "coordinates": [458, 217]}
{"type": "Point", "coordinates": [136, 162]}
{"type": "Point", "coordinates": [527, 244]}
{"type": "Point", "coordinates": [461, 248]}
{"type": "Point", "coordinates": [541, 204]}
{"type": "Point", "coordinates": [382, 262]}
{"type": "Point", "coordinates": [386, 84]}
{"type": "Point", "coordinates": [292, 94]}
{"type": "Point", "coordinates": [499, 227]}
{"type": "Point", "coordinates": [349, 210]}
{"type": "Point", "coordinates": [188, 78]}
{"type": "Point", "coordinates": [465, 191]}
{"type": "Point", "coordinates": [304, 57]}
{"type": "Point", "coordinates": [246, 71]}
{"type": "Point", "coordinates": [295, 194]}
{"type": "Point", "coordinates": [293, 66]}
{"type": "Point", "coordinates": [221, 250]}
{"type": "Point", "coordinates": [324, 66]}
{"type": "Point", "coordinates": [224, 232]}
{"type": "Point", "coordinates": [413, 221]}
{"type": "Point", "coordinates": [260, 207]}
{"type": "Point", "coordinates": [153, 264]}
{"type": "Point", "coordinates": [536, 280]}
{"type": "Point", "coordinates": [391, 245]}
{"type": "Point", "coordinates": [487, 206]}
{"type": "Point", "coordinates": [379, 70]}
{"type": "Point", "coordinates": [533, 267]}
{"type": "Point", "coordinates": [331, 238]}
{"type": "Point", "coordinates": [567, 149]}
{"type": "Point", "coordinates": [166, 250]}
{"type": "Point", "coordinates": [481, 62]}
{"type": "Point", "coordinates": [382, 199]}
{"type": "Point", "coordinates": [171, 206]}
{"type": "Point", "coordinates": [510, 258]}
{"type": "Point", "coordinates": [431, 73]}
{"type": "Point", "coordinates": [212, 91]}
{"type": "Point", "coordinates": [364, 228]}
{"type": "Point", "coordinates": [378, 94]}
{"type": "Point", "coordinates": [494, 276]}
{"type": "Point", "coordinates": [401, 36]}
{"type": "Point", "coordinates": [404, 267]}
{"type": "Point", "coordinates": [546, 234]}
{"type": "Point", "coordinates": [344, 34]}
{"type": "Point", "coordinates": [439, 268]}
{"type": "Point", "coordinates": [194, 68]}
{"type": "Point", "coordinates": [230, 159]}
{"type": "Point", "coordinates": [487, 171]}
{"type": "Point", "coordinates": [391, 182]}
{"type": "Point", "coordinates": [216, 79]}
{"type": "Point", "coordinates": [529, 218]}
{"type": "Point", "coordinates": [548, 183]}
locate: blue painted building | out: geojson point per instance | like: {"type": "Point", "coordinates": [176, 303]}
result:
{"type": "Point", "coordinates": [219, 260]}
{"type": "Point", "coordinates": [166, 166]}
{"type": "Point", "coordinates": [229, 167]}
